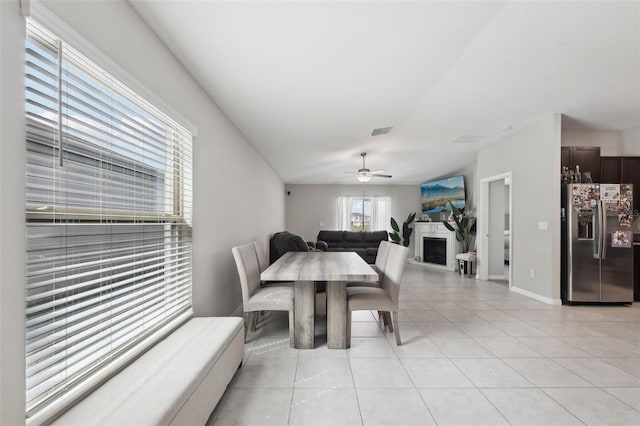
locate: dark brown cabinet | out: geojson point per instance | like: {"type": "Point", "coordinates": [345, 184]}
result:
{"type": "Point", "coordinates": [611, 169]}
{"type": "Point", "coordinates": [622, 170]}
{"type": "Point", "coordinates": [631, 174]}
{"type": "Point", "coordinates": [587, 157]}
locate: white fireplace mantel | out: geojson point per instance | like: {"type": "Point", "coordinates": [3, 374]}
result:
{"type": "Point", "coordinates": [435, 230]}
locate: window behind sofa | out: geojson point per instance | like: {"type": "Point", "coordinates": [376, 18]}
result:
{"type": "Point", "coordinates": [108, 221]}
{"type": "Point", "coordinates": [359, 213]}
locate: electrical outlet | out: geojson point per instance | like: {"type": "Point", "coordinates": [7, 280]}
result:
{"type": "Point", "coordinates": [532, 273]}
{"type": "Point", "coordinates": [321, 224]}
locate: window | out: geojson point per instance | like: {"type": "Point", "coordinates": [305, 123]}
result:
{"type": "Point", "coordinates": [360, 214]}
{"type": "Point", "coordinates": [363, 213]}
{"type": "Point", "coordinates": [108, 221]}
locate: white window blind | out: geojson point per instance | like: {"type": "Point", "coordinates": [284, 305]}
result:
{"type": "Point", "coordinates": [108, 219]}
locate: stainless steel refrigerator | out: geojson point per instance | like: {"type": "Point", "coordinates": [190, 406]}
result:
{"type": "Point", "coordinates": [599, 243]}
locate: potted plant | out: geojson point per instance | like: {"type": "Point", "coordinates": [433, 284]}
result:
{"type": "Point", "coordinates": [406, 231]}
{"type": "Point", "coordinates": [465, 226]}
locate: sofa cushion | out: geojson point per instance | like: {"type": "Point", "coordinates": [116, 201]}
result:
{"type": "Point", "coordinates": [376, 236]}
{"type": "Point", "coordinates": [283, 242]}
{"type": "Point", "coordinates": [331, 236]}
{"type": "Point", "coordinates": [358, 244]}
{"type": "Point", "coordinates": [353, 237]}
{"type": "Point", "coordinates": [297, 242]}
{"type": "Point", "coordinates": [364, 244]}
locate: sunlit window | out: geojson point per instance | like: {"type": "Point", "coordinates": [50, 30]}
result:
{"type": "Point", "coordinates": [108, 219]}
{"type": "Point", "coordinates": [363, 213]}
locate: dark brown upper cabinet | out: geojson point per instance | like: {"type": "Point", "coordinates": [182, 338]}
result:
{"type": "Point", "coordinates": [631, 174]}
{"type": "Point", "coordinates": [587, 157]}
{"type": "Point", "coordinates": [622, 170]}
{"type": "Point", "coordinates": [611, 169]}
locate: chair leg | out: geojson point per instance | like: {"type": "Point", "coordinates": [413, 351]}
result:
{"type": "Point", "coordinates": [246, 325]}
{"type": "Point", "coordinates": [292, 328]}
{"type": "Point", "coordinates": [395, 320]}
{"type": "Point", "coordinates": [348, 329]}
{"type": "Point", "coordinates": [254, 321]}
{"type": "Point", "coordinates": [387, 317]}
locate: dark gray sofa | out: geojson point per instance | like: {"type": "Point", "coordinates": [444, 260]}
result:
{"type": "Point", "coordinates": [364, 243]}
{"type": "Point", "coordinates": [283, 242]}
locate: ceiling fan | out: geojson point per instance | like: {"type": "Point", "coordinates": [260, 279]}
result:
{"type": "Point", "coordinates": [365, 175]}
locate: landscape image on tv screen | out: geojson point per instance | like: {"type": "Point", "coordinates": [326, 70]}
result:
{"type": "Point", "coordinates": [434, 195]}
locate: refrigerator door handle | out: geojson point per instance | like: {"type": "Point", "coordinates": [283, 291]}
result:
{"type": "Point", "coordinates": [603, 232]}
{"type": "Point", "coordinates": [596, 234]}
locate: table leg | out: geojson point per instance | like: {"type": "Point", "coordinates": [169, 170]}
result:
{"type": "Point", "coordinates": [305, 307]}
{"type": "Point", "coordinates": [337, 315]}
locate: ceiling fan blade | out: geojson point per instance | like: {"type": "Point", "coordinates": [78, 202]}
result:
{"type": "Point", "coordinates": [365, 174]}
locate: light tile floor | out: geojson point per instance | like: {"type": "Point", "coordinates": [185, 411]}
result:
{"type": "Point", "coordinates": [473, 353]}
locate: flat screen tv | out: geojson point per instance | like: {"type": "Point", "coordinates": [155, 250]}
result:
{"type": "Point", "coordinates": [434, 195]}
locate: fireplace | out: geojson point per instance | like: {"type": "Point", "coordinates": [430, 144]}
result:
{"type": "Point", "coordinates": [434, 250]}
{"type": "Point", "coordinates": [435, 246]}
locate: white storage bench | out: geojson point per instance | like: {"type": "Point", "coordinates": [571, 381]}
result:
{"type": "Point", "coordinates": [177, 382]}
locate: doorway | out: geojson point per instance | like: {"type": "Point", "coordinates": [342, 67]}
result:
{"type": "Point", "coordinates": [495, 229]}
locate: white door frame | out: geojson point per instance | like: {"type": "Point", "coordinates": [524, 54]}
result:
{"type": "Point", "coordinates": [483, 226]}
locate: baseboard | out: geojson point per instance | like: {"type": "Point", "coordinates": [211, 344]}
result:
{"type": "Point", "coordinates": [532, 295]}
{"type": "Point", "coordinates": [498, 277]}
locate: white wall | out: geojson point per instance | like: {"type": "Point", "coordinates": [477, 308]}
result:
{"type": "Point", "coordinates": [610, 142]}
{"type": "Point", "coordinates": [309, 205]}
{"type": "Point", "coordinates": [237, 196]}
{"type": "Point", "coordinates": [12, 158]}
{"type": "Point", "coordinates": [472, 187]}
{"type": "Point", "coordinates": [631, 141]}
{"type": "Point", "coordinates": [532, 154]}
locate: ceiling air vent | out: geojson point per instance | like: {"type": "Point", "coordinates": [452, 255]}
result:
{"type": "Point", "coordinates": [380, 131]}
{"type": "Point", "coordinates": [466, 139]}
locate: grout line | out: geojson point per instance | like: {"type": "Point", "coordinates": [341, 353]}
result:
{"type": "Point", "coordinates": [353, 381]}
{"type": "Point", "coordinates": [562, 405]}
{"type": "Point", "coordinates": [293, 386]}
{"type": "Point", "coordinates": [616, 397]}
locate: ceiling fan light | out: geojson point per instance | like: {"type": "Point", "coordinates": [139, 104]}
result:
{"type": "Point", "coordinates": [364, 178]}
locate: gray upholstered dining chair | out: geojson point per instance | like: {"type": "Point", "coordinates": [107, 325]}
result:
{"type": "Point", "coordinates": [381, 262]}
{"type": "Point", "coordinates": [385, 298]}
{"type": "Point", "coordinates": [256, 298]}
{"type": "Point", "coordinates": [263, 263]}
{"type": "Point", "coordinates": [263, 260]}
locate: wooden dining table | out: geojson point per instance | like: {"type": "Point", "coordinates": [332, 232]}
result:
{"type": "Point", "coordinates": [305, 268]}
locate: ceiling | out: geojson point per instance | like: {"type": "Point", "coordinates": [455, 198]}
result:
{"type": "Point", "coordinates": [306, 82]}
